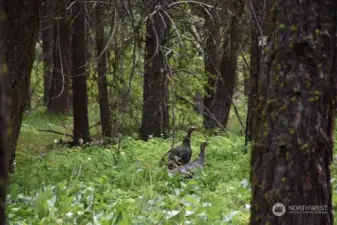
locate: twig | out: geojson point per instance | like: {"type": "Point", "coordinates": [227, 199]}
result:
{"type": "Point", "coordinates": [244, 59]}
{"type": "Point", "coordinates": [96, 124]}
{"type": "Point", "coordinates": [173, 107]}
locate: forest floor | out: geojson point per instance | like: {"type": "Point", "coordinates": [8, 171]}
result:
{"type": "Point", "coordinates": [125, 185]}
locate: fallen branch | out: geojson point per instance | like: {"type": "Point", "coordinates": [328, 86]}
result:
{"type": "Point", "coordinates": [56, 132]}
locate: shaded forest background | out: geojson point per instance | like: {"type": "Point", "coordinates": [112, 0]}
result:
{"type": "Point", "coordinates": [100, 90]}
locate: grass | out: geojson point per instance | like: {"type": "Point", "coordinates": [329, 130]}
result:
{"type": "Point", "coordinates": [111, 185]}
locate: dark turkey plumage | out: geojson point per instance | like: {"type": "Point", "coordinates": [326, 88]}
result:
{"type": "Point", "coordinates": [181, 154]}
{"type": "Point", "coordinates": [190, 168]}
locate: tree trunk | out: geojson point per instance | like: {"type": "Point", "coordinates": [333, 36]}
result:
{"type": "Point", "coordinates": [101, 68]}
{"type": "Point", "coordinates": [58, 101]}
{"type": "Point", "coordinates": [155, 119]}
{"type": "Point", "coordinates": [47, 37]}
{"type": "Point", "coordinates": [90, 21]}
{"type": "Point", "coordinates": [259, 30]}
{"type": "Point", "coordinates": [79, 85]}
{"type": "Point", "coordinates": [5, 100]}
{"type": "Point", "coordinates": [292, 148]}
{"type": "Point", "coordinates": [65, 45]}
{"type": "Point", "coordinates": [255, 54]}
{"type": "Point", "coordinates": [220, 99]}
{"type": "Point", "coordinates": [28, 100]}
{"type": "Point", "coordinates": [212, 63]}
{"type": "Point", "coordinates": [246, 77]}
{"type": "Point", "coordinates": [24, 22]}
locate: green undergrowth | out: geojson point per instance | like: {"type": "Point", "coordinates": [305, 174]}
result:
{"type": "Point", "coordinates": [124, 184]}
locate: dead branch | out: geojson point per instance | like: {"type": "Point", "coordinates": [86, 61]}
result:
{"type": "Point", "coordinates": [57, 132]}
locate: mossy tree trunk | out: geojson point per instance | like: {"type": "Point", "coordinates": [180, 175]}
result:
{"type": "Point", "coordinates": [155, 119]}
{"type": "Point", "coordinates": [23, 29]}
{"type": "Point", "coordinates": [292, 148]}
{"type": "Point", "coordinates": [5, 100]}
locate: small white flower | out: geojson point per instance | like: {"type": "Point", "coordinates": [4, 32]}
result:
{"type": "Point", "coordinates": [207, 204]}
{"type": "Point", "coordinates": [188, 213]}
{"type": "Point", "coordinates": [244, 183]}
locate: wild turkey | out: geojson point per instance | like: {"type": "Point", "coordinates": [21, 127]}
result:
{"type": "Point", "coordinates": [190, 168]}
{"type": "Point", "coordinates": [181, 154]}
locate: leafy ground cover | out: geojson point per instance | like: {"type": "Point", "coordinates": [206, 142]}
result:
{"type": "Point", "coordinates": [125, 185]}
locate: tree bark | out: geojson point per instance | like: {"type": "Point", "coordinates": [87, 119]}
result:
{"type": "Point", "coordinates": [292, 148]}
{"type": "Point", "coordinates": [5, 100]}
{"type": "Point", "coordinates": [89, 37]}
{"type": "Point", "coordinates": [47, 37]}
{"type": "Point", "coordinates": [58, 101]}
{"type": "Point", "coordinates": [212, 63]}
{"type": "Point", "coordinates": [22, 35]}
{"type": "Point", "coordinates": [101, 69]}
{"type": "Point", "coordinates": [220, 98]}
{"type": "Point", "coordinates": [79, 85]}
{"type": "Point", "coordinates": [259, 30]}
{"type": "Point", "coordinates": [155, 119]}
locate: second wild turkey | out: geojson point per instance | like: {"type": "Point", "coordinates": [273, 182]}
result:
{"type": "Point", "coordinates": [190, 168]}
{"type": "Point", "coordinates": [181, 154]}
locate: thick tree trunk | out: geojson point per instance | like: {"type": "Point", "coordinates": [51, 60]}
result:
{"type": "Point", "coordinates": [58, 101]}
{"type": "Point", "coordinates": [79, 85]}
{"type": "Point", "coordinates": [155, 120]}
{"type": "Point", "coordinates": [292, 148]}
{"type": "Point", "coordinates": [47, 37]}
{"type": "Point", "coordinates": [101, 68]}
{"type": "Point", "coordinates": [22, 34]}
{"type": "Point", "coordinates": [220, 101]}
{"type": "Point", "coordinates": [5, 100]}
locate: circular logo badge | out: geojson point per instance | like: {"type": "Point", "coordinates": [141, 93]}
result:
{"type": "Point", "coordinates": [279, 209]}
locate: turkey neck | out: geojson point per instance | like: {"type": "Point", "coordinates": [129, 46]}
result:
{"type": "Point", "coordinates": [187, 139]}
{"type": "Point", "coordinates": [201, 158]}
{"type": "Point", "coordinates": [186, 142]}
